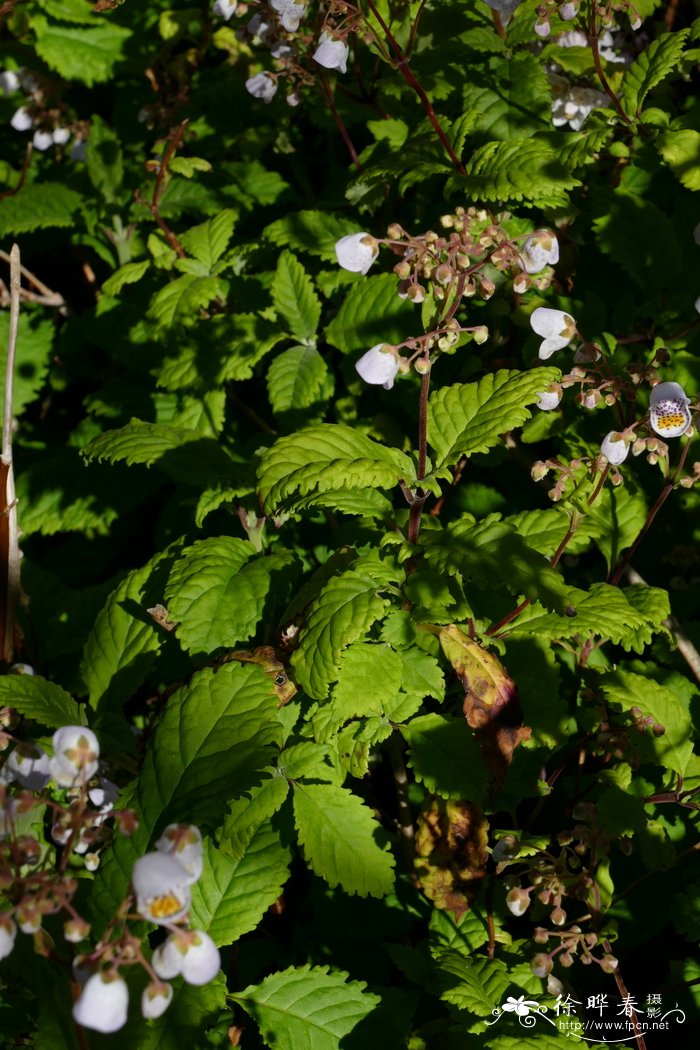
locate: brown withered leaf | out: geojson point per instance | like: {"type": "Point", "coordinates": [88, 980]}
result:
{"type": "Point", "coordinates": [451, 853]}
{"type": "Point", "coordinates": [491, 704]}
{"type": "Point", "coordinates": [266, 656]}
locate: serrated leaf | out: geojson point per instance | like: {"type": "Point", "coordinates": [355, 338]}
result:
{"type": "Point", "coordinates": [601, 612]}
{"type": "Point", "coordinates": [122, 645]}
{"type": "Point", "coordinates": [233, 893]}
{"type": "Point", "coordinates": [208, 242]}
{"type": "Point", "coordinates": [543, 530]}
{"type": "Point", "coordinates": [315, 232]}
{"type": "Point", "coordinates": [369, 676]}
{"type": "Point", "coordinates": [674, 748]}
{"type": "Point", "coordinates": [344, 609]}
{"type": "Point", "coordinates": [84, 53]}
{"type": "Point", "coordinates": [470, 417]}
{"type": "Point", "coordinates": [328, 457]}
{"type": "Point", "coordinates": [188, 166]}
{"type": "Point", "coordinates": [37, 207]}
{"type": "Point", "coordinates": [40, 700]}
{"type": "Point", "coordinates": [617, 516]}
{"type": "Point", "coordinates": [130, 273]}
{"type": "Point", "coordinates": [297, 305]}
{"type": "Point", "coordinates": [446, 758]}
{"type": "Point", "coordinates": [354, 743]}
{"type": "Point", "coordinates": [184, 454]}
{"type": "Point", "coordinates": [653, 604]}
{"type": "Point", "coordinates": [660, 58]}
{"type": "Point", "coordinates": [183, 298]}
{"type": "Point", "coordinates": [296, 378]}
{"type": "Point", "coordinates": [681, 151]}
{"type": "Point", "coordinates": [522, 169]}
{"type": "Point", "coordinates": [480, 983]}
{"type": "Point", "coordinates": [213, 741]}
{"type": "Point", "coordinates": [339, 838]}
{"type": "Point", "coordinates": [216, 597]}
{"type": "Point", "coordinates": [104, 160]}
{"type": "Point", "coordinates": [246, 815]}
{"type": "Point", "coordinates": [492, 553]}
{"type": "Point", "coordinates": [371, 313]}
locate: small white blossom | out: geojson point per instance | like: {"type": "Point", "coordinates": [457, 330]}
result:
{"type": "Point", "coordinates": [539, 250]}
{"type": "Point", "coordinates": [548, 400]}
{"type": "Point", "coordinates": [572, 38]}
{"type": "Point", "coordinates": [162, 888]}
{"type": "Point", "coordinates": [262, 85]}
{"type": "Point", "coordinates": [331, 53]}
{"type": "Point", "coordinates": [8, 933]}
{"type": "Point", "coordinates": [75, 755]}
{"type": "Point", "coordinates": [60, 136]}
{"type": "Point", "coordinates": [30, 766]}
{"type": "Point", "coordinates": [9, 82]}
{"type": "Point", "coordinates": [572, 105]}
{"type": "Point", "coordinates": [283, 50]}
{"type": "Point", "coordinates": [22, 119]}
{"type": "Point", "coordinates": [225, 8]}
{"type": "Point", "coordinates": [184, 843]}
{"type": "Point", "coordinates": [568, 11]}
{"type": "Point", "coordinates": [542, 28]}
{"type": "Point", "coordinates": [668, 410]}
{"type": "Point", "coordinates": [258, 27]}
{"type": "Point", "coordinates": [289, 13]}
{"type": "Point", "coordinates": [167, 959]}
{"type": "Point", "coordinates": [557, 328]}
{"type": "Point", "coordinates": [356, 252]}
{"type": "Point", "coordinates": [156, 999]}
{"type": "Point", "coordinates": [378, 366]}
{"type": "Point", "coordinates": [293, 98]}
{"type": "Point", "coordinates": [191, 953]}
{"type": "Point", "coordinates": [614, 448]}
{"type": "Point", "coordinates": [103, 1003]}
{"type": "Point", "coordinates": [22, 669]}
{"type": "Point", "coordinates": [520, 1006]}
{"type": "Point", "coordinates": [42, 140]}
{"type": "Point", "coordinates": [92, 861]}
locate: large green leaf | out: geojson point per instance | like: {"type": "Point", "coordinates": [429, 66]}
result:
{"type": "Point", "coordinates": [338, 834]}
{"type": "Point", "coordinates": [218, 595]}
{"type": "Point", "coordinates": [297, 305]}
{"type": "Point", "coordinates": [369, 677]}
{"type": "Point", "coordinates": [182, 299]}
{"type": "Point", "coordinates": [343, 611]}
{"type": "Point", "coordinates": [182, 453]}
{"type": "Point", "coordinates": [681, 151]}
{"type": "Point", "coordinates": [315, 232]}
{"type": "Point", "coordinates": [371, 313]}
{"type": "Point", "coordinates": [41, 701]}
{"type": "Point", "coordinates": [470, 417]}
{"type": "Point", "coordinates": [84, 53]}
{"type": "Point", "coordinates": [601, 612]}
{"type": "Point", "coordinates": [296, 379]}
{"type": "Point", "coordinates": [208, 242]}
{"type": "Point", "coordinates": [307, 1008]}
{"type": "Point", "coordinates": [328, 457]}
{"type": "Point", "coordinates": [627, 690]}
{"type": "Point", "coordinates": [445, 757]}
{"type": "Point", "coordinates": [523, 169]}
{"type": "Point", "coordinates": [476, 984]}
{"type": "Point", "coordinates": [38, 206]}
{"type": "Point", "coordinates": [653, 65]}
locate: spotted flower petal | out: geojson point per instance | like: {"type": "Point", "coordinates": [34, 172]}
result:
{"type": "Point", "coordinates": [668, 410]}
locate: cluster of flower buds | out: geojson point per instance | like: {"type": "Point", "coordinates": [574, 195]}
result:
{"type": "Point", "coordinates": [275, 26]}
{"type": "Point", "coordinates": [161, 883]}
{"type": "Point", "coordinates": [570, 943]}
{"type": "Point", "coordinates": [32, 114]}
{"type": "Point", "coordinates": [567, 10]}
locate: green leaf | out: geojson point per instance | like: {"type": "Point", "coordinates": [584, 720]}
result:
{"type": "Point", "coordinates": [674, 748]}
{"type": "Point", "coordinates": [297, 305]}
{"type": "Point", "coordinates": [339, 837]}
{"type": "Point", "coordinates": [84, 53]}
{"type": "Point", "coordinates": [369, 676]}
{"type": "Point", "coordinates": [38, 206]}
{"type": "Point", "coordinates": [492, 553]}
{"type": "Point", "coordinates": [35, 341]}
{"type": "Point", "coordinates": [208, 242]}
{"type": "Point", "coordinates": [470, 417]}
{"type": "Point", "coordinates": [543, 530]}
{"type": "Point", "coordinates": [41, 701]}
{"type": "Point", "coordinates": [616, 233]}
{"type": "Point", "coordinates": [601, 612]}
{"type": "Point", "coordinates": [328, 457]}
{"type": "Point", "coordinates": [344, 609]}
{"type": "Point", "coordinates": [216, 598]}
{"type": "Point", "coordinates": [191, 1011]}
{"type": "Point", "coordinates": [617, 516]}
{"type": "Point", "coordinates": [372, 313]}
{"type": "Point", "coordinates": [104, 160]}
{"type": "Point", "coordinates": [523, 169]}
{"type": "Point", "coordinates": [681, 151]}
{"type": "Point", "coordinates": [476, 984]}
{"type": "Point", "coordinates": [183, 454]}
{"type": "Point", "coordinates": [233, 893]}
{"type": "Point", "coordinates": [315, 232]}
{"type": "Point", "coordinates": [446, 758]}
{"type": "Point", "coordinates": [246, 815]}
{"type": "Point", "coordinates": [296, 379]}
{"type": "Point", "coordinates": [660, 58]}
{"type": "Point", "coordinates": [122, 645]}
{"type": "Point", "coordinates": [653, 604]}
{"type": "Point", "coordinates": [130, 273]}
{"type": "Point", "coordinates": [188, 166]}
{"type": "Point", "coordinates": [183, 298]}
{"type": "Point", "coordinates": [212, 742]}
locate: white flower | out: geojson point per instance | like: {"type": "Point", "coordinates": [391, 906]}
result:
{"type": "Point", "coordinates": [92, 861]}
{"type": "Point", "coordinates": [104, 795]}
{"type": "Point", "coordinates": [184, 843]}
{"type": "Point", "coordinates": [283, 50]}
{"type": "Point", "coordinates": [539, 250]}
{"type": "Point", "coordinates": [225, 8]}
{"type": "Point", "coordinates": [262, 85]}
{"type": "Point", "coordinates": [356, 252]}
{"type": "Point", "coordinates": [520, 1006]}
{"type": "Point", "coordinates": [614, 448]}
{"type": "Point", "coordinates": [191, 953]}
{"type": "Point", "coordinates": [8, 932]}
{"type": "Point", "coordinates": [9, 82]}
{"type": "Point", "coordinates": [331, 53]}
{"type": "Point", "coordinates": [75, 755]}
{"type": "Point", "coordinates": [606, 45]}
{"type": "Point", "coordinates": [572, 105]}
{"type": "Point", "coordinates": [258, 27]}
{"type": "Point", "coordinates": [668, 410]}
{"type": "Point", "coordinates": [30, 766]}
{"type": "Point", "coordinates": [60, 136]}
{"type": "Point", "coordinates": [505, 8]}
{"type": "Point", "coordinates": [22, 119]}
{"type": "Point", "coordinates": [542, 28]}
{"type": "Point", "coordinates": [557, 327]}
{"type": "Point", "coordinates": [378, 366]}
{"type": "Point", "coordinates": [572, 38]}
{"type": "Point", "coordinates": [289, 13]}
{"type": "Point", "coordinates": [22, 669]}
{"type": "Point", "coordinates": [548, 400]}
{"type": "Point", "coordinates": [156, 999]}
{"type": "Point", "coordinates": [162, 888]}
{"type": "Point", "coordinates": [103, 1003]}
{"type": "Point", "coordinates": [568, 11]}
{"type": "Point", "coordinates": [42, 140]}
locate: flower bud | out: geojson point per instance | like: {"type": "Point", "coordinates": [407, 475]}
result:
{"type": "Point", "coordinates": [548, 400]}
{"type": "Point", "coordinates": [394, 232]}
{"type": "Point", "coordinates": [444, 273]}
{"type": "Point", "coordinates": [558, 916]}
{"type": "Point", "coordinates": [614, 448]}
{"type": "Point", "coordinates": [521, 283]}
{"type": "Point", "coordinates": [480, 334]}
{"type": "Point", "coordinates": [609, 964]}
{"type": "Point", "coordinates": [262, 86]}
{"type": "Point", "coordinates": [541, 965]}
{"type": "Point", "coordinates": [8, 933]}
{"type": "Point", "coordinates": [518, 901]}
{"type": "Point", "coordinates": [156, 999]}
{"type": "Point", "coordinates": [402, 270]}
{"type": "Point", "coordinates": [416, 293]}
{"type": "Point", "coordinates": [76, 930]}
{"type": "Point", "coordinates": [486, 287]}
